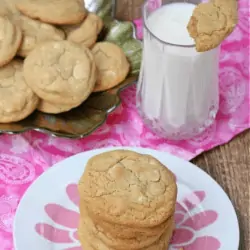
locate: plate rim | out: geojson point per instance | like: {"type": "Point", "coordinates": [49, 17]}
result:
{"type": "Point", "coordinates": [189, 164]}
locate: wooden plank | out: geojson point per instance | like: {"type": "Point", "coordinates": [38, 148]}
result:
{"type": "Point", "coordinates": [128, 10]}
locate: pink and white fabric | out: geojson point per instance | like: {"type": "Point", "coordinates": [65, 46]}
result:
{"type": "Point", "coordinates": [26, 156]}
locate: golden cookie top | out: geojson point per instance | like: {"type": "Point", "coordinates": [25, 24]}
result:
{"type": "Point", "coordinates": [128, 188]}
{"type": "Point", "coordinates": [85, 33]}
{"type": "Point", "coordinates": [53, 11]}
{"type": "Point", "coordinates": [111, 63]}
{"type": "Point", "coordinates": [35, 32]}
{"type": "Point", "coordinates": [10, 40]}
{"type": "Point", "coordinates": [14, 93]}
{"type": "Point", "coordinates": [212, 22]}
{"type": "Point", "coordinates": [60, 71]}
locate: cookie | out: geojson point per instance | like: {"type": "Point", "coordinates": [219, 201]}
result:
{"type": "Point", "coordinates": [52, 108]}
{"type": "Point", "coordinates": [84, 237]}
{"type": "Point", "coordinates": [90, 240]}
{"type": "Point", "coordinates": [61, 72]}
{"type": "Point", "coordinates": [35, 32]}
{"type": "Point", "coordinates": [128, 188]}
{"type": "Point", "coordinates": [126, 232]}
{"type": "Point", "coordinates": [53, 11]}
{"type": "Point", "coordinates": [132, 243]}
{"type": "Point", "coordinates": [4, 10]}
{"type": "Point", "coordinates": [211, 23]}
{"type": "Point", "coordinates": [87, 32]}
{"type": "Point", "coordinates": [230, 9]}
{"type": "Point", "coordinates": [8, 8]}
{"type": "Point", "coordinates": [10, 40]}
{"type": "Point", "coordinates": [164, 241]}
{"type": "Point", "coordinates": [17, 100]}
{"type": "Point", "coordinates": [112, 65]}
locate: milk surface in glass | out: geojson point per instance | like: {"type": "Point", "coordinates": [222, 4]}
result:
{"type": "Point", "coordinates": [177, 93]}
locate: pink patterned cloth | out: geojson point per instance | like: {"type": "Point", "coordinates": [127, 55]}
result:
{"type": "Point", "coordinates": [24, 157]}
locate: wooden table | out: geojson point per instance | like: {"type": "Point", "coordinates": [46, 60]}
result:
{"type": "Point", "coordinates": [229, 165]}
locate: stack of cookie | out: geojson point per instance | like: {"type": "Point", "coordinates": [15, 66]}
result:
{"type": "Point", "coordinates": [127, 201]}
{"type": "Point", "coordinates": [50, 59]}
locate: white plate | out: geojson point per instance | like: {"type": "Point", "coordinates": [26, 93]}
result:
{"type": "Point", "coordinates": [47, 216]}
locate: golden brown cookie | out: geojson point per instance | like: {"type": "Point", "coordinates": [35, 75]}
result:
{"type": "Point", "coordinates": [10, 40]}
{"type": "Point", "coordinates": [17, 100]}
{"type": "Point", "coordinates": [134, 242]}
{"type": "Point", "coordinates": [53, 11]}
{"type": "Point", "coordinates": [128, 188]}
{"type": "Point", "coordinates": [164, 241]}
{"type": "Point", "coordinates": [35, 32]}
{"type": "Point", "coordinates": [4, 9]}
{"type": "Point", "coordinates": [112, 65]}
{"type": "Point", "coordinates": [85, 237]}
{"type": "Point", "coordinates": [90, 240]}
{"type": "Point", "coordinates": [61, 72]}
{"type": "Point", "coordinates": [230, 9]}
{"type": "Point", "coordinates": [8, 8]}
{"type": "Point", "coordinates": [212, 22]}
{"type": "Point", "coordinates": [52, 108]}
{"type": "Point", "coordinates": [87, 32]}
{"type": "Point", "coordinates": [128, 232]}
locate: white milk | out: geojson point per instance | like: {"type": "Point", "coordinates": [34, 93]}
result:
{"type": "Point", "coordinates": [178, 87]}
{"type": "Point", "coordinates": [169, 23]}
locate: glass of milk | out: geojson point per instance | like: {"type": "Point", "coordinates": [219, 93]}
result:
{"type": "Point", "coordinates": [177, 92]}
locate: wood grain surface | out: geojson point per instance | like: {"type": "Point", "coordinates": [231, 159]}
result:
{"type": "Point", "coordinates": [128, 10]}
{"type": "Point", "coordinates": [229, 164]}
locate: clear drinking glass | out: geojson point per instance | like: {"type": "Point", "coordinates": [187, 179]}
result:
{"type": "Point", "coordinates": [177, 91]}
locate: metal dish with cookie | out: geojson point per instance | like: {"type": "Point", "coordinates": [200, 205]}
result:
{"type": "Point", "coordinates": [80, 117]}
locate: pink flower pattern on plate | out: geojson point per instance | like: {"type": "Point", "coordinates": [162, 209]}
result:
{"type": "Point", "coordinates": [64, 217]}
{"type": "Point", "coordinates": [188, 224]}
